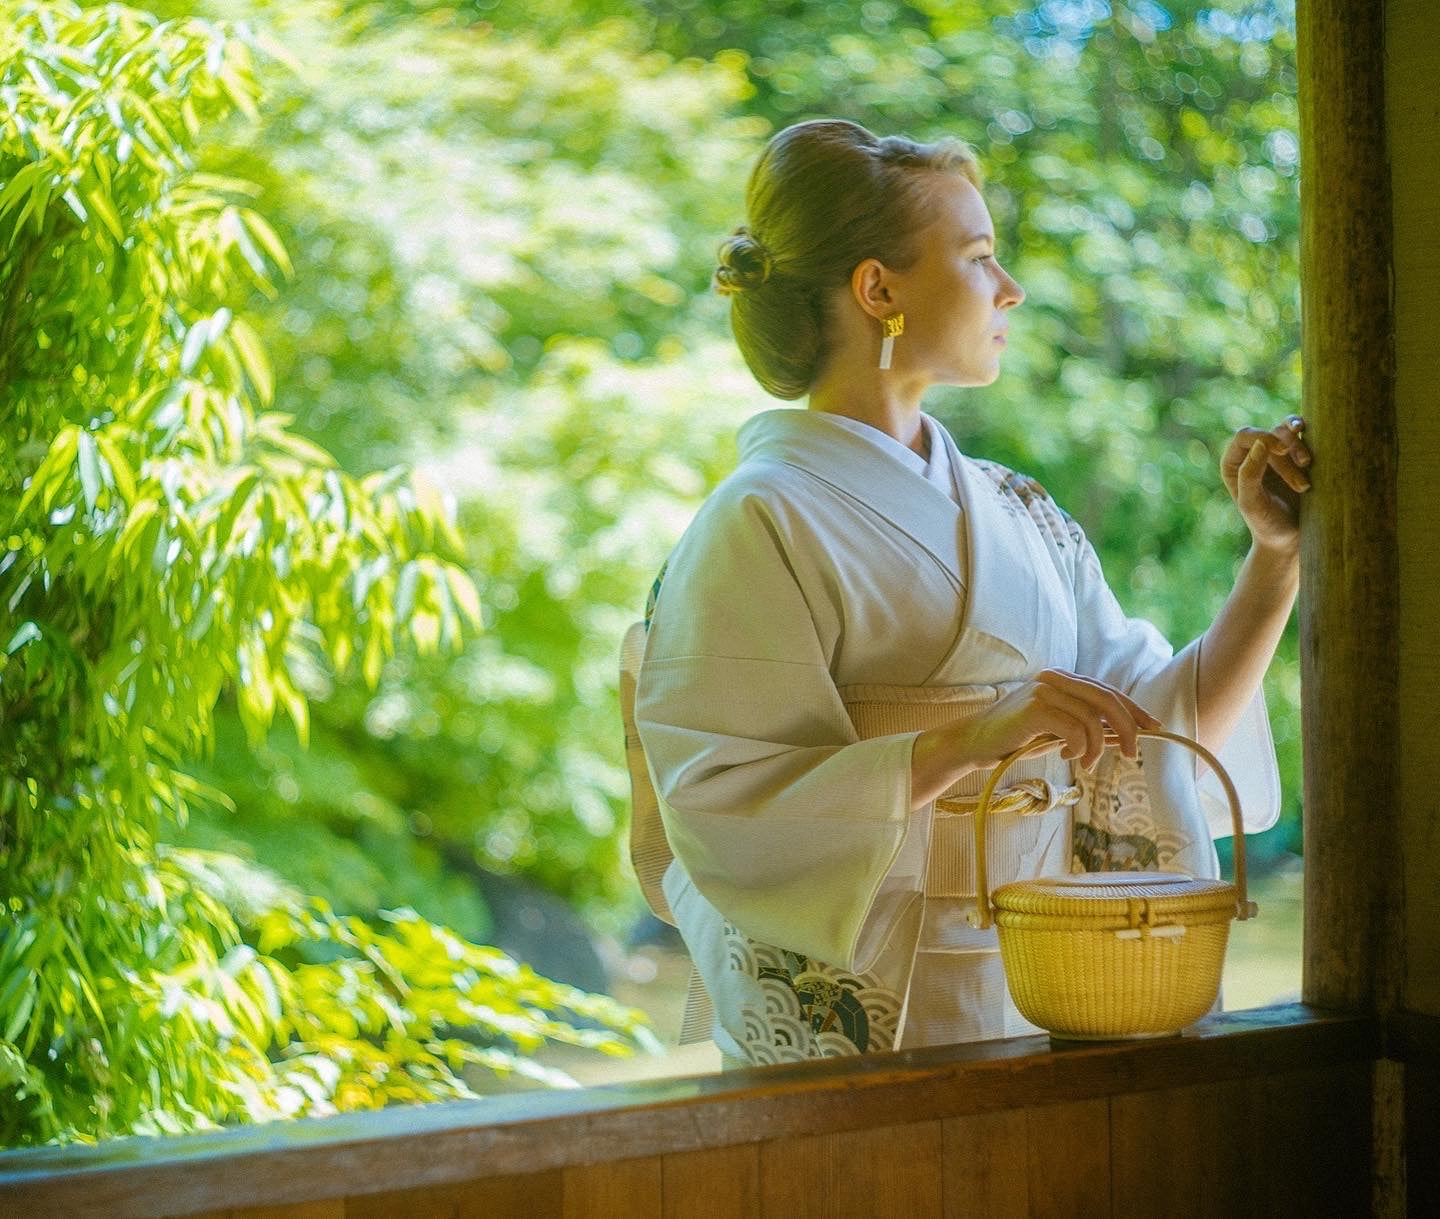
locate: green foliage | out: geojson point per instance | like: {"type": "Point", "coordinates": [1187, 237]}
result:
{"type": "Point", "coordinates": [503, 220]}
{"type": "Point", "coordinates": [166, 538]}
{"type": "Point", "coordinates": [502, 246]}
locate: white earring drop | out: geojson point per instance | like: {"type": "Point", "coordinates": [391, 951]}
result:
{"type": "Point", "coordinates": [894, 326]}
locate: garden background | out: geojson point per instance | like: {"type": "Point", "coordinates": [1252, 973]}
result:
{"type": "Point", "coordinates": [359, 368]}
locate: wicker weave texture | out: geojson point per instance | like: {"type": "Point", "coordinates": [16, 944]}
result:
{"type": "Point", "coordinates": [1096, 984]}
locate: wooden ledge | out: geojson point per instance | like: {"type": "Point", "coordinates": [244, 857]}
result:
{"type": "Point", "coordinates": [413, 1146]}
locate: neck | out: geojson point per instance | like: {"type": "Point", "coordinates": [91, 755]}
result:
{"type": "Point", "coordinates": [878, 398]}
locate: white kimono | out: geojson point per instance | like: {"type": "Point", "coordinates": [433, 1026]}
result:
{"type": "Point", "coordinates": [824, 917]}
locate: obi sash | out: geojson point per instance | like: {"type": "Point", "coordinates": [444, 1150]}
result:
{"type": "Point", "coordinates": [1038, 786]}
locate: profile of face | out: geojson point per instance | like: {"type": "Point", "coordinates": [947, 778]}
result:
{"type": "Point", "coordinates": [955, 296]}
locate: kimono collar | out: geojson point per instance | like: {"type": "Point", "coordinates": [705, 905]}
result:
{"type": "Point", "coordinates": [1007, 558]}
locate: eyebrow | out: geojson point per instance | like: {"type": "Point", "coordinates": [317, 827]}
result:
{"type": "Point", "coordinates": [974, 237]}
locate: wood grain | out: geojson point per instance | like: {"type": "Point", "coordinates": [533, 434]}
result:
{"type": "Point", "coordinates": [531, 1195]}
{"type": "Point", "coordinates": [1349, 592]}
{"type": "Point", "coordinates": [436, 1202]}
{"type": "Point", "coordinates": [1189, 1153]}
{"type": "Point", "coordinates": [984, 1158]}
{"type": "Point", "coordinates": [1067, 1160]}
{"type": "Point", "coordinates": [432, 1145]}
{"type": "Point", "coordinates": [631, 1188]}
{"type": "Point", "coordinates": [894, 1170]}
{"type": "Point", "coordinates": [719, 1183]}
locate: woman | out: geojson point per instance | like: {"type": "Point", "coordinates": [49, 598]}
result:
{"type": "Point", "coordinates": [856, 557]}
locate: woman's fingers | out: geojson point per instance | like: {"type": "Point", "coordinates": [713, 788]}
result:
{"type": "Point", "coordinates": [1282, 449]}
{"type": "Point", "coordinates": [1092, 705]}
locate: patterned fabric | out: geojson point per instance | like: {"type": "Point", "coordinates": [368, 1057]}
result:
{"type": "Point", "coordinates": [1116, 829]}
{"type": "Point", "coordinates": [1024, 496]}
{"type": "Point", "coordinates": [809, 1009]}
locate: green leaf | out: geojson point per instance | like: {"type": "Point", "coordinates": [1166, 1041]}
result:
{"type": "Point", "coordinates": [90, 478]}
{"type": "Point", "coordinates": [99, 201]}
{"type": "Point", "coordinates": [252, 356]}
{"type": "Point", "coordinates": [28, 632]}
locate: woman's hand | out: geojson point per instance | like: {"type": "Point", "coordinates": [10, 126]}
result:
{"type": "Point", "coordinates": [1265, 475]}
{"type": "Point", "coordinates": [1055, 703]}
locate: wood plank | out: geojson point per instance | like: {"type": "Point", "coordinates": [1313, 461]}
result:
{"type": "Point", "coordinates": [331, 1209]}
{"type": "Point", "coordinates": [629, 1188]}
{"type": "Point", "coordinates": [719, 1183]}
{"type": "Point", "coordinates": [1314, 1128]}
{"type": "Point", "coordinates": [1187, 1153]}
{"type": "Point", "coordinates": [985, 1166]}
{"type": "Point", "coordinates": [434, 1202]}
{"type": "Point", "coordinates": [426, 1145]}
{"type": "Point", "coordinates": [1067, 1160]}
{"type": "Point", "coordinates": [894, 1170]}
{"type": "Point", "coordinates": [531, 1195]}
{"type": "Point", "coordinates": [1422, 1137]}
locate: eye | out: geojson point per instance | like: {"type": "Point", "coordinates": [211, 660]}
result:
{"type": "Point", "coordinates": [984, 258]}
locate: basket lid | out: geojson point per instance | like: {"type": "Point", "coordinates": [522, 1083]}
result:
{"type": "Point", "coordinates": [1117, 894]}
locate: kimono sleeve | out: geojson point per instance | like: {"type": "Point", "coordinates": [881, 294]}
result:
{"type": "Point", "coordinates": [786, 822]}
{"type": "Point", "coordinates": [1131, 654]}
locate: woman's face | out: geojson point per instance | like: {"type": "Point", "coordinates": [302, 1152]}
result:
{"type": "Point", "coordinates": [956, 294]}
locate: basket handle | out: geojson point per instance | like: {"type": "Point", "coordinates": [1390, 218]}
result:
{"type": "Point", "coordinates": [981, 917]}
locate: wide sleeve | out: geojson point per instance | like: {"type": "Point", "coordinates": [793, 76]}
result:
{"type": "Point", "coordinates": [786, 822]}
{"type": "Point", "coordinates": [1131, 654]}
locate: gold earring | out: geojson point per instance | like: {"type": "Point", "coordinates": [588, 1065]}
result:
{"type": "Point", "coordinates": [894, 327]}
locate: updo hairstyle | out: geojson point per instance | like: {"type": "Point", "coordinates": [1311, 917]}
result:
{"type": "Point", "coordinates": [824, 195]}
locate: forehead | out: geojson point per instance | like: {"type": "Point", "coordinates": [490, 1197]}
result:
{"type": "Point", "coordinates": [956, 208]}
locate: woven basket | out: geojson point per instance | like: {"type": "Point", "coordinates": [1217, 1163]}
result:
{"type": "Point", "coordinates": [1113, 955]}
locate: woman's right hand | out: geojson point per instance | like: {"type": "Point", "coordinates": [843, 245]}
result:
{"type": "Point", "coordinates": [1053, 703]}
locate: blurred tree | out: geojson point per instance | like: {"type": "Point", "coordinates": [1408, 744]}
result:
{"type": "Point", "coordinates": [503, 220]}
{"type": "Point", "coordinates": [166, 539]}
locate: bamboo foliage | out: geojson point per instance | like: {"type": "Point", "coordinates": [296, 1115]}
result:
{"type": "Point", "coordinates": [166, 537]}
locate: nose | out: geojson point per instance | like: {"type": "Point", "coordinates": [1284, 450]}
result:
{"type": "Point", "coordinates": [1009, 293]}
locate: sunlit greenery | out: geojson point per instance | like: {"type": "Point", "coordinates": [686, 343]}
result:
{"type": "Point", "coordinates": [475, 239]}
{"type": "Point", "coordinates": [167, 538]}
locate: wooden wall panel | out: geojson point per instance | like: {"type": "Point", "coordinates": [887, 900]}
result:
{"type": "Point", "coordinates": [533, 1195]}
{"type": "Point", "coordinates": [1188, 1153]}
{"type": "Point", "coordinates": [622, 1187]}
{"type": "Point", "coordinates": [719, 1183]}
{"type": "Point", "coordinates": [1422, 1137]}
{"type": "Point", "coordinates": [985, 1158]}
{"type": "Point", "coordinates": [893, 1170]}
{"type": "Point", "coordinates": [1314, 1129]}
{"type": "Point", "coordinates": [1267, 1148]}
{"type": "Point", "coordinates": [1067, 1160]}
{"type": "Point", "coordinates": [434, 1202]}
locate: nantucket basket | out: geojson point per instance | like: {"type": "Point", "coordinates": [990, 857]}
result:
{"type": "Point", "coordinates": [1109, 955]}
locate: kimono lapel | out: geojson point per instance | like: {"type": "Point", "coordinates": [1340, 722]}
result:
{"type": "Point", "coordinates": [1001, 591]}
{"type": "Point", "coordinates": [862, 471]}
{"type": "Point", "coordinates": [1014, 591]}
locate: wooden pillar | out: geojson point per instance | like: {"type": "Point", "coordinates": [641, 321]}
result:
{"type": "Point", "coordinates": [1350, 597]}
{"type": "Point", "coordinates": [1349, 588]}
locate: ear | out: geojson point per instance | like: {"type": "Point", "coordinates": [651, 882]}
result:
{"type": "Point", "coordinates": [870, 286]}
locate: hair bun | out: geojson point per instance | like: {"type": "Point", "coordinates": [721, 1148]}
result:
{"type": "Point", "coordinates": [745, 264]}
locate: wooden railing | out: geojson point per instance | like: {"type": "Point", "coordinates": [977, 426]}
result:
{"type": "Point", "coordinates": [1263, 1113]}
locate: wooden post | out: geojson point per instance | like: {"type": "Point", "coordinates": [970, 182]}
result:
{"type": "Point", "coordinates": [1349, 587]}
{"type": "Point", "coordinates": [1350, 561]}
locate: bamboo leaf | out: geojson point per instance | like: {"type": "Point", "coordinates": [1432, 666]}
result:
{"type": "Point", "coordinates": [89, 468]}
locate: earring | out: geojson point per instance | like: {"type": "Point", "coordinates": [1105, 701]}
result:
{"type": "Point", "coordinates": [894, 327]}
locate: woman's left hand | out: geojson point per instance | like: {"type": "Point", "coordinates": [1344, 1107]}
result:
{"type": "Point", "coordinates": [1265, 473]}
